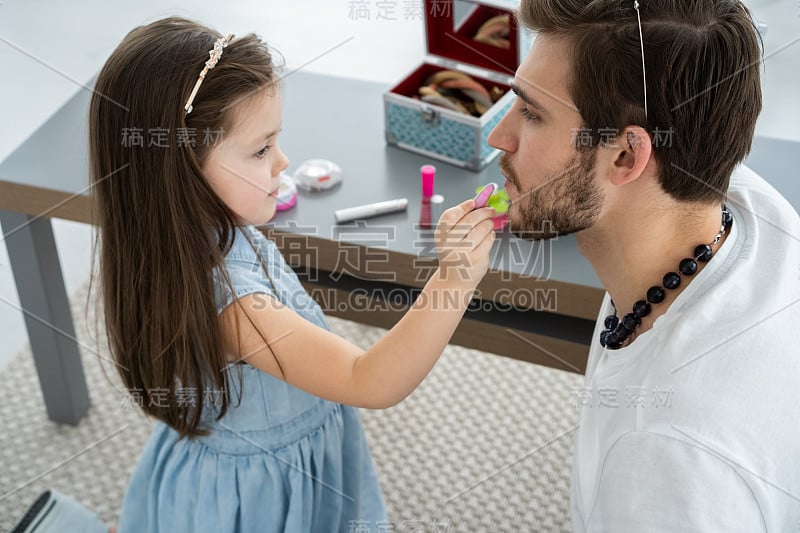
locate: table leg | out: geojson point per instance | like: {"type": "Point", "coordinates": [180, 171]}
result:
{"type": "Point", "coordinates": [37, 273]}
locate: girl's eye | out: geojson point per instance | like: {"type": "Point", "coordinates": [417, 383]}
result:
{"type": "Point", "coordinates": [528, 115]}
{"type": "Point", "coordinates": [263, 152]}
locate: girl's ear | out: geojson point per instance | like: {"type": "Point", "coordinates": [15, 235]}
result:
{"type": "Point", "coordinates": [629, 156]}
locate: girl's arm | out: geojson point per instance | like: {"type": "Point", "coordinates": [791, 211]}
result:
{"type": "Point", "coordinates": [323, 364]}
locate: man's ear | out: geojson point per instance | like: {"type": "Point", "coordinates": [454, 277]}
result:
{"type": "Point", "coordinates": [629, 156]}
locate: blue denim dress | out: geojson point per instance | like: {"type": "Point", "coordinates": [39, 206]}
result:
{"type": "Point", "coordinates": [282, 460]}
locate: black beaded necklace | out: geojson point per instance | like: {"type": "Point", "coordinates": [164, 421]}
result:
{"type": "Point", "coordinates": [616, 333]}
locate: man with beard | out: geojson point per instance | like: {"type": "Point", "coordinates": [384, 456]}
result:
{"type": "Point", "coordinates": [629, 127]}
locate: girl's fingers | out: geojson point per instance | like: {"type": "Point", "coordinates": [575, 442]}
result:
{"type": "Point", "coordinates": [453, 216]}
{"type": "Point", "coordinates": [479, 233]}
{"type": "Point", "coordinates": [472, 219]}
{"type": "Point", "coordinates": [487, 241]}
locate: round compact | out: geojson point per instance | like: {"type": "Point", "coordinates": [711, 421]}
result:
{"type": "Point", "coordinates": [317, 175]}
{"type": "Point", "coordinates": [287, 193]}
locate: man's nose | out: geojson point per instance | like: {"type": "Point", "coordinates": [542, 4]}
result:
{"type": "Point", "coordinates": [501, 137]}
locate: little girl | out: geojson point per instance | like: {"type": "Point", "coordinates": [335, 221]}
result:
{"type": "Point", "coordinates": [210, 329]}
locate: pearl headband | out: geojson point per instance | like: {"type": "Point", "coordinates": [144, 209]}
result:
{"type": "Point", "coordinates": [215, 53]}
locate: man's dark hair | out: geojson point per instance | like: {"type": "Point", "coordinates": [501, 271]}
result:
{"type": "Point", "coordinates": [702, 60]}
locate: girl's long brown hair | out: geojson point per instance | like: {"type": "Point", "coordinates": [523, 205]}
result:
{"type": "Point", "coordinates": [162, 229]}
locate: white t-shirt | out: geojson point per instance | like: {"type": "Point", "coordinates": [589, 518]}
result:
{"type": "Point", "coordinates": [696, 425]}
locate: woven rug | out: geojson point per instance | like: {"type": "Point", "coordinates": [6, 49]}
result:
{"type": "Point", "coordinates": [484, 444]}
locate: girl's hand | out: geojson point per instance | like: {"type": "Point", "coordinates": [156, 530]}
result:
{"type": "Point", "coordinates": [464, 237]}
{"type": "Point", "coordinates": [278, 340]}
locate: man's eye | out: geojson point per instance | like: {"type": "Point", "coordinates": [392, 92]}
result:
{"type": "Point", "coordinates": [527, 114]}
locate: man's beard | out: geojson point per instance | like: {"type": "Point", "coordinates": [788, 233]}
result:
{"type": "Point", "coordinates": [566, 202]}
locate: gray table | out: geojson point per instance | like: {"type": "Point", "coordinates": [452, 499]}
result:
{"type": "Point", "coordinates": [341, 120]}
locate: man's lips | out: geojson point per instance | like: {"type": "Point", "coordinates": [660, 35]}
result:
{"type": "Point", "coordinates": [506, 173]}
{"type": "Point", "coordinates": [508, 181]}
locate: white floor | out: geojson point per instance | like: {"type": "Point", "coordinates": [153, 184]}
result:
{"type": "Point", "coordinates": [48, 48]}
